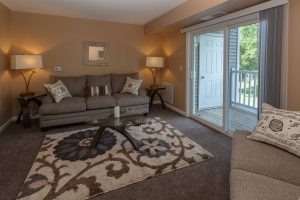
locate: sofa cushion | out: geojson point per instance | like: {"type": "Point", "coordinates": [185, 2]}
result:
{"type": "Point", "coordinates": [48, 99]}
{"type": "Point", "coordinates": [76, 85]}
{"type": "Point", "coordinates": [100, 80]}
{"type": "Point", "coordinates": [143, 92]}
{"type": "Point", "coordinates": [126, 99]}
{"type": "Point", "coordinates": [67, 105]}
{"type": "Point", "coordinates": [118, 81]}
{"type": "Point", "coordinates": [264, 159]}
{"type": "Point", "coordinates": [249, 186]}
{"type": "Point", "coordinates": [99, 102]}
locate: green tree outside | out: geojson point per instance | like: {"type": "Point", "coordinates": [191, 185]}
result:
{"type": "Point", "coordinates": [249, 47]}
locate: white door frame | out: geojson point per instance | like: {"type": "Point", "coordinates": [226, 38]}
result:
{"type": "Point", "coordinates": [190, 66]}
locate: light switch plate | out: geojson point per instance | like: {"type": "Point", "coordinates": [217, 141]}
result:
{"type": "Point", "coordinates": [180, 67]}
{"type": "Point", "coordinates": [57, 68]}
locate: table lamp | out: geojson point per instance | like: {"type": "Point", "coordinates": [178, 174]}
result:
{"type": "Point", "coordinates": [23, 63]}
{"type": "Point", "coordinates": [155, 64]}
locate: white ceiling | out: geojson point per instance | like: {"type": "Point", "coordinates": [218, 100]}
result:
{"type": "Point", "coordinates": [125, 11]}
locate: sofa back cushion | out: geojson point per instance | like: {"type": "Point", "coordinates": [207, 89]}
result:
{"type": "Point", "coordinates": [98, 91]}
{"type": "Point", "coordinates": [100, 81]}
{"type": "Point", "coordinates": [75, 85]}
{"type": "Point", "coordinates": [118, 81]}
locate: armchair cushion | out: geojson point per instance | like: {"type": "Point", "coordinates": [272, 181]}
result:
{"type": "Point", "coordinates": [260, 158]}
{"type": "Point", "coordinates": [249, 186]}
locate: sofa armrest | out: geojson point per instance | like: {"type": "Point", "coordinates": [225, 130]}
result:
{"type": "Point", "coordinates": [47, 99]}
{"type": "Point", "coordinates": [143, 92]}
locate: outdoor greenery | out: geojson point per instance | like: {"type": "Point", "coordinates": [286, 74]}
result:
{"type": "Point", "coordinates": [249, 47]}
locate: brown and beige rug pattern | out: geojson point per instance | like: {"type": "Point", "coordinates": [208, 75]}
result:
{"type": "Point", "coordinates": [67, 168]}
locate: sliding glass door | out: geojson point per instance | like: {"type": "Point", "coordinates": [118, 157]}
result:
{"type": "Point", "coordinates": [243, 76]}
{"type": "Point", "coordinates": [225, 81]}
{"type": "Point", "coordinates": [208, 79]}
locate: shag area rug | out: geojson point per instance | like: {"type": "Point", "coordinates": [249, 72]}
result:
{"type": "Point", "coordinates": [67, 167]}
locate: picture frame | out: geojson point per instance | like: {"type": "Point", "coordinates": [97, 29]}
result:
{"type": "Point", "coordinates": [95, 53]}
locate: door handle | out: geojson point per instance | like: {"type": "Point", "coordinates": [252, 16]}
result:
{"type": "Point", "coordinates": [202, 77]}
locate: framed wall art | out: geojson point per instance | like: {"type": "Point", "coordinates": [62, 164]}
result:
{"type": "Point", "coordinates": [95, 53]}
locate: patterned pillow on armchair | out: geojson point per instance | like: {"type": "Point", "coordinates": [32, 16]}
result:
{"type": "Point", "coordinates": [280, 128]}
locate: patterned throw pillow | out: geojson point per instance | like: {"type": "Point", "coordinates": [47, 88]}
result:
{"type": "Point", "coordinates": [278, 127]}
{"type": "Point", "coordinates": [98, 91]}
{"type": "Point", "coordinates": [58, 91]}
{"type": "Point", "coordinates": [132, 86]}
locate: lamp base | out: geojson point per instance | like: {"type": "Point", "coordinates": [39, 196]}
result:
{"type": "Point", "coordinates": [27, 94]}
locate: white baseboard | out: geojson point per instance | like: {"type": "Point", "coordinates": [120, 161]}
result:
{"type": "Point", "coordinates": [14, 118]}
{"type": "Point", "coordinates": [156, 102]}
{"type": "Point", "coordinates": [172, 108]}
{"type": "Point", "coordinates": [6, 124]}
{"type": "Point", "coordinates": [176, 109]}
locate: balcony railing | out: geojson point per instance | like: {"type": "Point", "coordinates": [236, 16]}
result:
{"type": "Point", "coordinates": [244, 89]}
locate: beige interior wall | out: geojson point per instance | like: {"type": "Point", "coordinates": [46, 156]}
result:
{"type": "Point", "coordinates": [174, 48]}
{"type": "Point", "coordinates": [294, 58]}
{"type": "Point", "coordinates": [5, 77]}
{"type": "Point", "coordinates": [60, 40]}
{"type": "Point", "coordinates": [185, 11]}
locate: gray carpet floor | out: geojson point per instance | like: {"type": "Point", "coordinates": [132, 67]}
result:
{"type": "Point", "coordinates": [208, 180]}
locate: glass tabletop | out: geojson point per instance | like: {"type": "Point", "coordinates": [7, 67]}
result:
{"type": "Point", "coordinates": [33, 96]}
{"type": "Point", "coordinates": [157, 87]}
{"type": "Point", "coordinates": [111, 121]}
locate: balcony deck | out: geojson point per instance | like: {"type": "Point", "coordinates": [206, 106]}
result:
{"type": "Point", "coordinates": [239, 119]}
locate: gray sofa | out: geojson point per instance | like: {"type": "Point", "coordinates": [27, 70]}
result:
{"type": "Point", "coordinates": [80, 108]}
{"type": "Point", "coordinates": [262, 172]}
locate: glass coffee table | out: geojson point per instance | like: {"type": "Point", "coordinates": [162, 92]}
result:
{"type": "Point", "coordinates": [118, 124]}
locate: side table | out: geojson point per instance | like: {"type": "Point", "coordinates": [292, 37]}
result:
{"type": "Point", "coordinates": [24, 112]}
{"type": "Point", "coordinates": [154, 90]}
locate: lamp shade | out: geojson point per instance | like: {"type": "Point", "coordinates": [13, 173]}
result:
{"type": "Point", "coordinates": [157, 62]}
{"type": "Point", "coordinates": [19, 62]}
